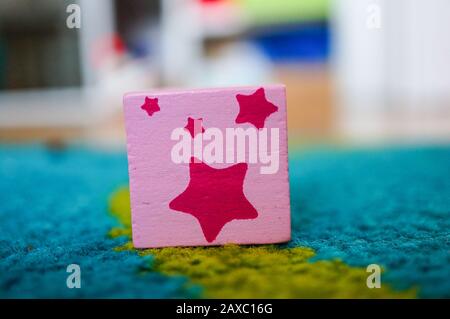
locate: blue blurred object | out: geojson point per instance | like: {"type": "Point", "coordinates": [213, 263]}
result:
{"type": "Point", "coordinates": [307, 42]}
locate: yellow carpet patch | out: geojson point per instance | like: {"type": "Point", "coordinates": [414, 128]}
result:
{"type": "Point", "coordinates": [264, 271]}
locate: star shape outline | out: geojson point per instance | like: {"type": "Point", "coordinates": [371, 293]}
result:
{"type": "Point", "coordinates": [212, 205]}
{"type": "Point", "coordinates": [191, 126]}
{"type": "Point", "coordinates": [150, 106]}
{"type": "Point", "coordinates": [254, 108]}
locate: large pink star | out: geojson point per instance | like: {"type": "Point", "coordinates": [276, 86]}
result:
{"type": "Point", "coordinates": [254, 108]}
{"type": "Point", "coordinates": [215, 197]}
{"type": "Point", "coordinates": [195, 126]}
{"type": "Point", "coordinates": [150, 106]}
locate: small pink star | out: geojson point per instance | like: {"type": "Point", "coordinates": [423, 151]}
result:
{"type": "Point", "coordinates": [150, 106]}
{"type": "Point", "coordinates": [254, 108]}
{"type": "Point", "coordinates": [215, 197]}
{"type": "Point", "coordinates": [195, 126]}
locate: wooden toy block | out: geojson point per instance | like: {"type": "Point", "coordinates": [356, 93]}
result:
{"type": "Point", "coordinates": [208, 167]}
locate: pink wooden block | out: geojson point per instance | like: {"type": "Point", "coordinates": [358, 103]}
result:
{"type": "Point", "coordinates": [208, 167]}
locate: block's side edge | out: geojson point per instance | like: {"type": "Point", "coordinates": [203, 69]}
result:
{"type": "Point", "coordinates": [162, 92]}
{"type": "Point", "coordinates": [130, 161]}
{"type": "Point", "coordinates": [286, 150]}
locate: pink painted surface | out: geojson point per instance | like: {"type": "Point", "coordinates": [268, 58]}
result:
{"type": "Point", "coordinates": [156, 181]}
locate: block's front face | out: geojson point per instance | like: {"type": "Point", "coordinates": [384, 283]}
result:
{"type": "Point", "coordinates": [208, 167]}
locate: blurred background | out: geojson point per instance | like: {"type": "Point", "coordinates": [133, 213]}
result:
{"type": "Point", "coordinates": [356, 71]}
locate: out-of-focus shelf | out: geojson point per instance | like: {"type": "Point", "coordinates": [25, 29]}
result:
{"type": "Point", "coordinates": [229, 19]}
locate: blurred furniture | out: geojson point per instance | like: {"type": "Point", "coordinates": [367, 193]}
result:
{"type": "Point", "coordinates": [47, 72]}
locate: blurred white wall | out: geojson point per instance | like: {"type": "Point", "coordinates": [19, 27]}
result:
{"type": "Point", "coordinates": [392, 68]}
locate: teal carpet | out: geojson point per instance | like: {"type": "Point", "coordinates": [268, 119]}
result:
{"type": "Point", "coordinates": [384, 206]}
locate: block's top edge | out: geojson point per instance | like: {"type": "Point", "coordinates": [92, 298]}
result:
{"type": "Point", "coordinates": [171, 91]}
